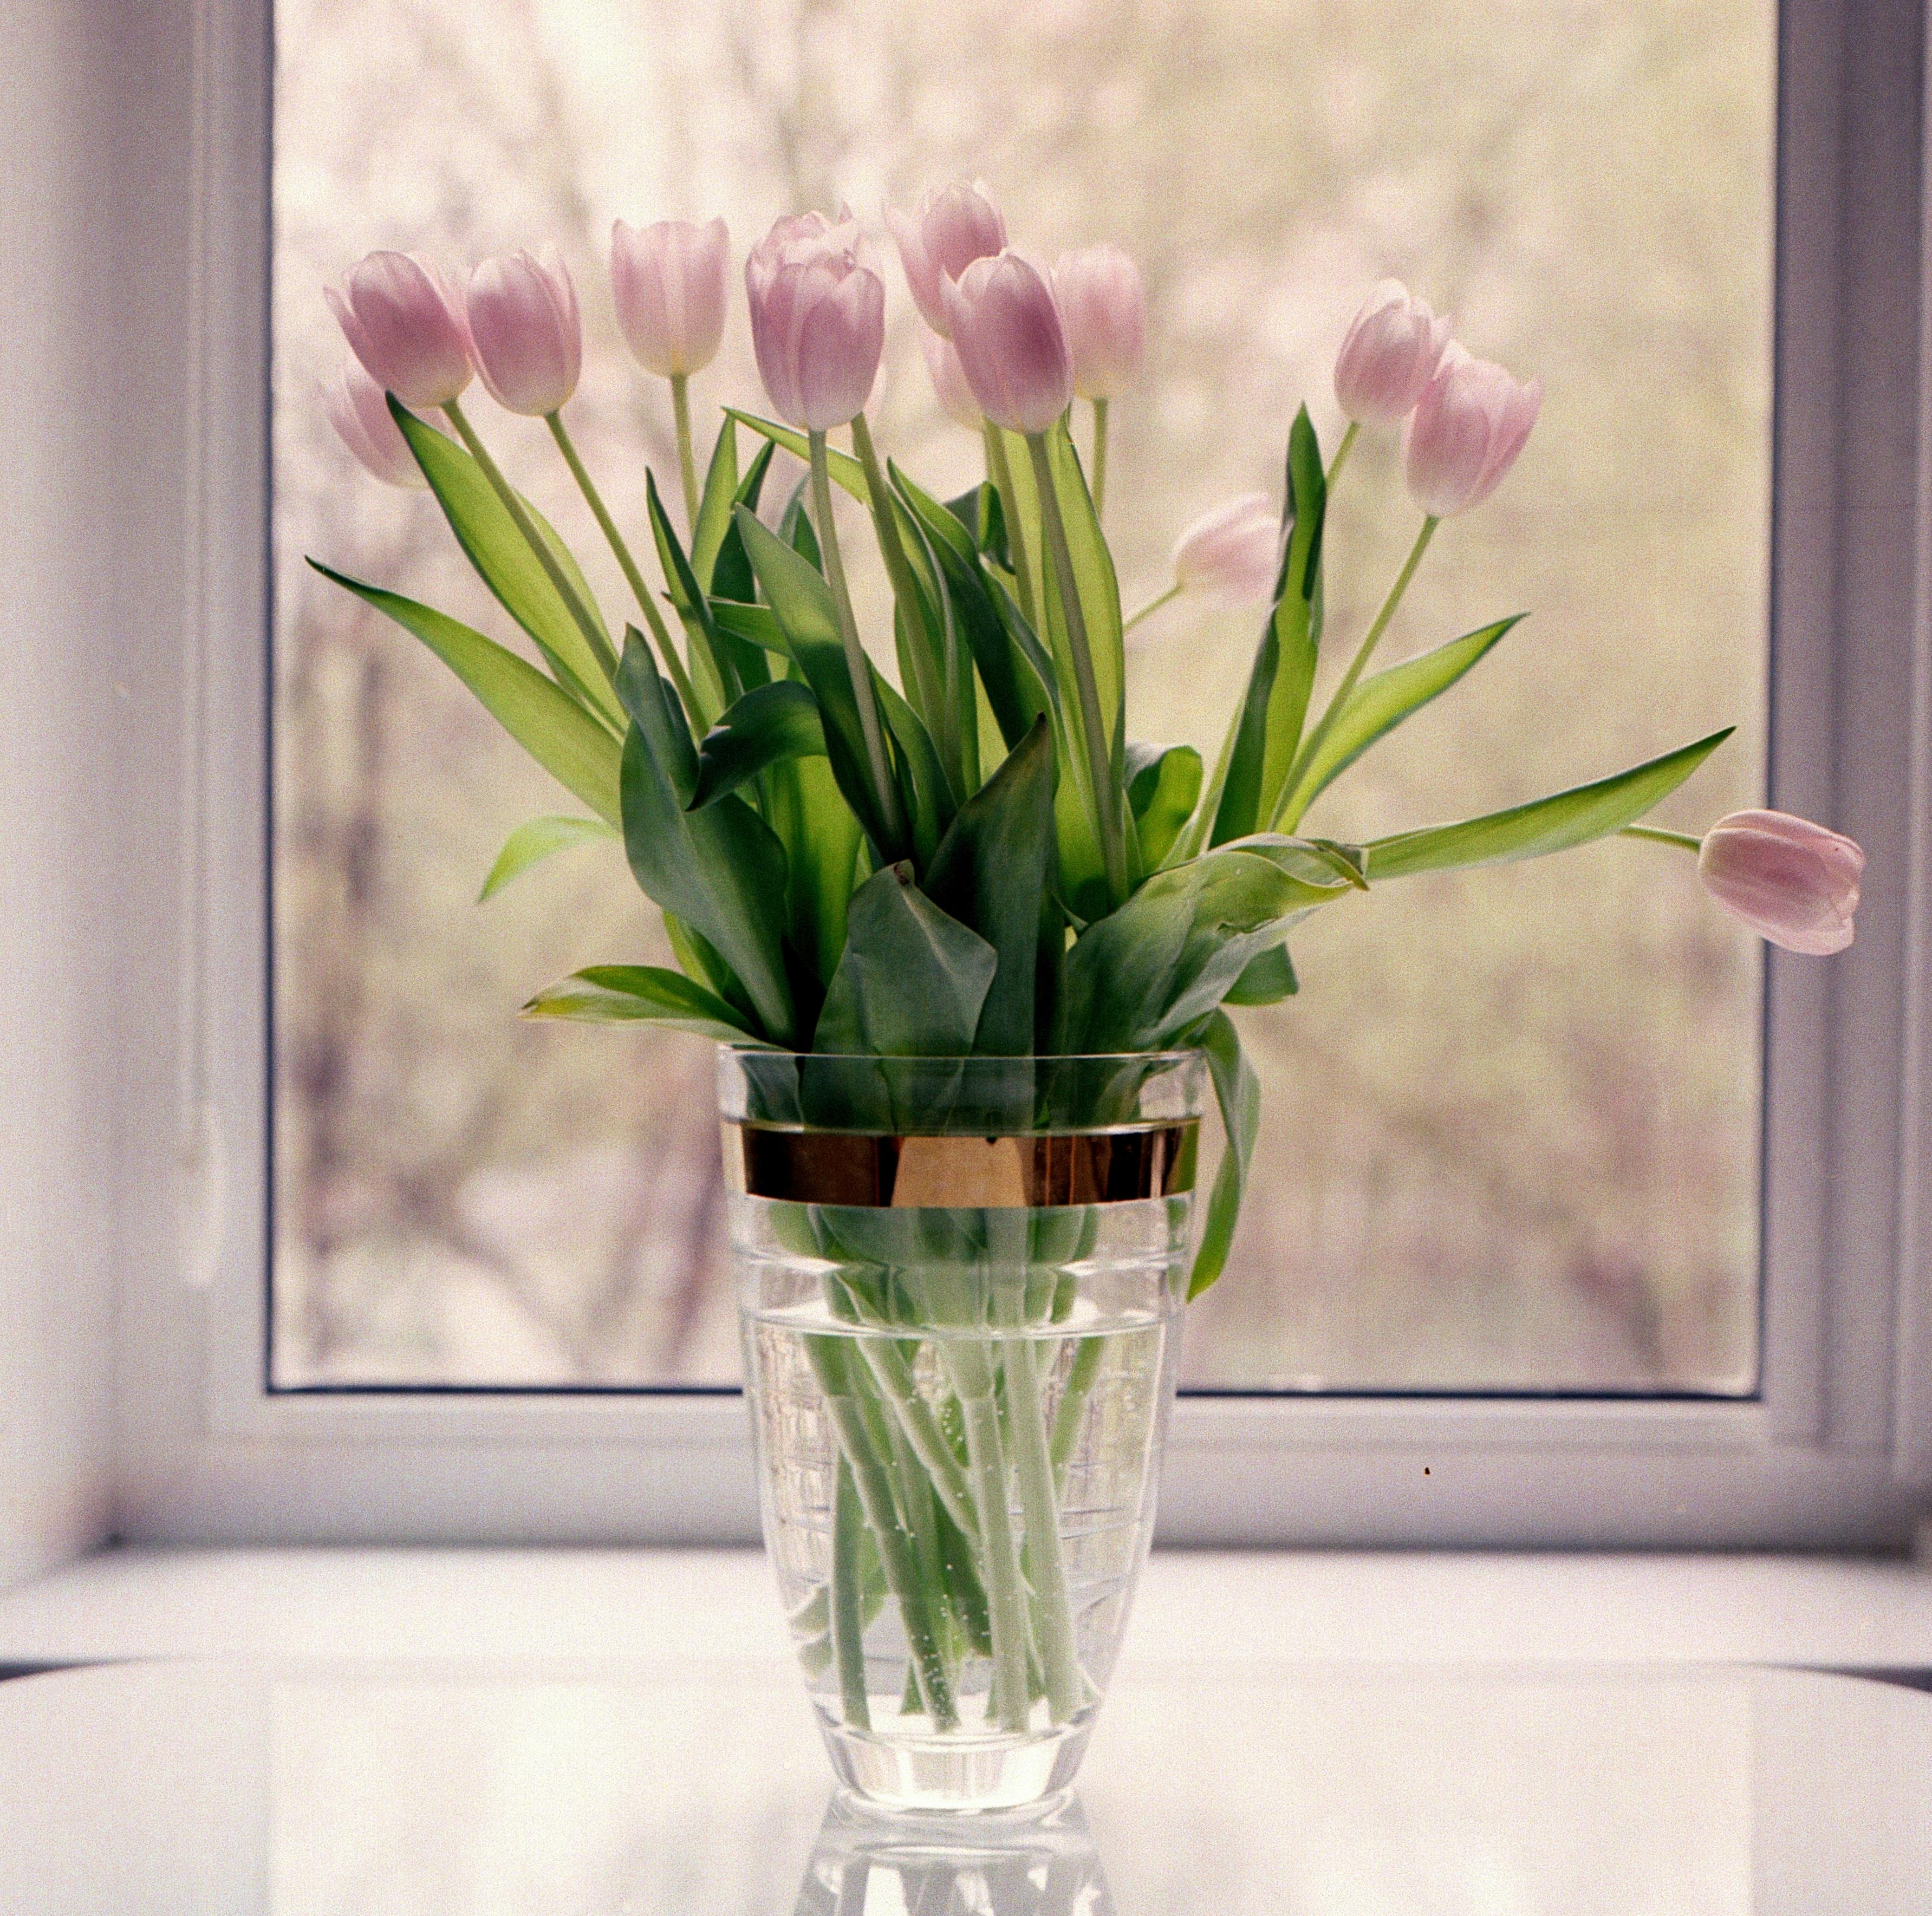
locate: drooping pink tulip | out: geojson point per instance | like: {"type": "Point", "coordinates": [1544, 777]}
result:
{"type": "Point", "coordinates": [1388, 356]}
{"type": "Point", "coordinates": [818, 319]}
{"type": "Point", "coordinates": [1465, 432]}
{"type": "Point", "coordinates": [405, 327]}
{"type": "Point", "coordinates": [948, 381]}
{"type": "Point", "coordinates": [525, 334]}
{"type": "Point", "coordinates": [1791, 881]}
{"type": "Point", "coordinates": [668, 282]}
{"type": "Point", "coordinates": [359, 412]}
{"type": "Point", "coordinates": [1234, 551]}
{"type": "Point", "coordinates": [1013, 348]}
{"type": "Point", "coordinates": [1103, 307]}
{"type": "Point", "coordinates": [954, 228]}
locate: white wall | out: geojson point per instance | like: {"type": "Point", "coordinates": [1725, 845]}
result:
{"type": "Point", "coordinates": [74, 379]}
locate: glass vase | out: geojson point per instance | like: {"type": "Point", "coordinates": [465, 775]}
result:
{"type": "Point", "coordinates": [959, 1283]}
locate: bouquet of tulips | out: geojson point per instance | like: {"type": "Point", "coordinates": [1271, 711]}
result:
{"type": "Point", "coordinates": [975, 859]}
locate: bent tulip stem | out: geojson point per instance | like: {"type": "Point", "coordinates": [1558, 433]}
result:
{"type": "Point", "coordinates": [856, 664]}
{"type": "Point", "coordinates": [687, 463]}
{"type": "Point", "coordinates": [1657, 835]}
{"type": "Point", "coordinates": [1153, 605]}
{"type": "Point", "coordinates": [633, 577]}
{"type": "Point", "coordinates": [593, 633]}
{"type": "Point", "coordinates": [1100, 456]}
{"type": "Point", "coordinates": [1342, 453]}
{"type": "Point", "coordinates": [1371, 639]}
{"type": "Point", "coordinates": [1106, 789]}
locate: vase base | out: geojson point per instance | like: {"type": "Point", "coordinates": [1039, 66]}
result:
{"type": "Point", "coordinates": [958, 1777]}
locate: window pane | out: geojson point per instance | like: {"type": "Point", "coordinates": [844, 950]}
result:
{"type": "Point", "coordinates": [1510, 1137]}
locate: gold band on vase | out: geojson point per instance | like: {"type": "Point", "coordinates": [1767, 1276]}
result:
{"type": "Point", "coordinates": [877, 1171]}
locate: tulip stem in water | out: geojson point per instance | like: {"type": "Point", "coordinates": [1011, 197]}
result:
{"type": "Point", "coordinates": [653, 618]}
{"type": "Point", "coordinates": [1342, 453]}
{"type": "Point", "coordinates": [687, 464]}
{"type": "Point", "coordinates": [856, 664]}
{"type": "Point", "coordinates": [1282, 820]}
{"type": "Point", "coordinates": [1001, 474]}
{"type": "Point", "coordinates": [593, 633]}
{"type": "Point", "coordinates": [1106, 790]}
{"type": "Point", "coordinates": [1153, 605]}
{"type": "Point", "coordinates": [1100, 456]}
{"type": "Point", "coordinates": [1657, 835]}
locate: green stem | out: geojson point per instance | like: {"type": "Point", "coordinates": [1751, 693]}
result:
{"type": "Point", "coordinates": [687, 465]}
{"type": "Point", "coordinates": [883, 790]}
{"type": "Point", "coordinates": [894, 1376]}
{"type": "Point", "coordinates": [938, 714]}
{"type": "Point", "coordinates": [1072, 1407]}
{"type": "Point", "coordinates": [847, 1600]}
{"type": "Point", "coordinates": [593, 633]}
{"type": "Point", "coordinates": [1342, 453]}
{"type": "Point", "coordinates": [1107, 796]}
{"type": "Point", "coordinates": [1153, 605]}
{"type": "Point", "coordinates": [1001, 474]}
{"type": "Point", "coordinates": [1657, 835]}
{"type": "Point", "coordinates": [1282, 820]}
{"type": "Point", "coordinates": [1099, 454]}
{"type": "Point", "coordinates": [645, 603]}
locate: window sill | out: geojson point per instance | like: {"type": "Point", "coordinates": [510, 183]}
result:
{"type": "Point", "coordinates": [644, 1606]}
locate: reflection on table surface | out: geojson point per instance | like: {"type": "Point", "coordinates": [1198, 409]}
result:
{"type": "Point", "coordinates": [701, 1791]}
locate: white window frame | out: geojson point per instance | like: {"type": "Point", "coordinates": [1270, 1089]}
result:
{"type": "Point", "coordinates": [1835, 1451]}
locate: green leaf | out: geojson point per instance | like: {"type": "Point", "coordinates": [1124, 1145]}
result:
{"type": "Point", "coordinates": [845, 467]}
{"type": "Point", "coordinates": [795, 529]}
{"type": "Point", "coordinates": [1238, 1092]}
{"type": "Point", "coordinates": [801, 605]}
{"type": "Point", "coordinates": [1570, 818]}
{"type": "Point", "coordinates": [822, 838]}
{"type": "Point", "coordinates": [1138, 978]}
{"type": "Point", "coordinates": [715, 688]}
{"type": "Point", "coordinates": [536, 840]}
{"type": "Point", "coordinates": [722, 870]}
{"type": "Point", "coordinates": [1379, 704]}
{"type": "Point", "coordinates": [730, 573]}
{"type": "Point", "coordinates": [1098, 591]}
{"type": "Point", "coordinates": [757, 624]}
{"type": "Point", "coordinates": [504, 562]}
{"type": "Point", "coordinates": [1163, 785]}
{"type": "Point", "coordinates": [640, 994]}
{"type": "Point", "coordinates": [769, 723]}
{"type": "Point", "coordinates": [924, 791]}
{"type": "Point", "coordinates": [913, 980]}
{"type": "Point", "coordinates": [574, 747]}
{"type": "Point", "coordinates": [1268, 979]}
{"type": "Point", "coordinates": [715, 503]}
{"type": "Point", "coordinates": [1276, 703]}
{"type": "Point", "coordinates": [992, 874]}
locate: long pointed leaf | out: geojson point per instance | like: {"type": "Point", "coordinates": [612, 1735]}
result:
{"type": "Point", "coordinates": [641, 994]}
{"type": "Point", "coordinates": [536, 840]}
{"type": "Point", "coordinates": [1163, 783]}
{"type": "Point", "coordinates": [1554, 824]}
{"type": "Point", "coordinates": [504, 562]}
{"type": "Point", "coordinates": [574, 747]}
{"type": "Point", "coordinates": [844, 469]}
{"type": "Point", "coordinates": [1238, 1091]}
{"type": "Point", "coordinates": [709, 675]}
{"type": "Point", "coordinates": [769, 723]}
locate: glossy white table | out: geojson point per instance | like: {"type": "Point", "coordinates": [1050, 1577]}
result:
{"type": "Point", "coordinates": [522, 1788]}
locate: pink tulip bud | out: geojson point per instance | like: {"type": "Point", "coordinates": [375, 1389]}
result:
{"type": "Point", "coordinates": [948, 381]}
{"type": "Point", "coordinates": [525, 335]}
{"type": "Point", "coordinates": [406, 327]}
{"type": "Point", "coordinates": [1388, 355]}
{"type": "Point", "coordinates": [1104, 310]}
{"type": "Point", "coordinates": [1791, 881]}
{"type": "Point", "coordinates": [1234, 550]}
{"type": "Point", "coordinates": [1465, 432]}
{"type": "Point", "coordinates": [954, 228]}
{"type": "Point", "coordinates": [359, 411]}
{"type": "Point", "coordinates": [1013, 348]}
{"type": "Point", "coordinates": [818, 319]}
{"type": "Point", "coordinates": [668, 282]}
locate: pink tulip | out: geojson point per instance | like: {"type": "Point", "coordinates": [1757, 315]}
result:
{"type": "Point", "coordinates": [359, 412]}
{"type": "Point", "coordinates": [1234, 550]}
{"type": "Point", "coordinates": [1465, 432]}
{"type": "Point", "coordinates": [1388, 356]}
{"type": "Point", "coordinates": [818, 317]}
{"type": "Point", "coordinates": [1013, 348]}
{"type": "Point", "coordinates": [525, 334]}
{"type": "Point", "coordinates": [668, 281]}
{"type": "Point", "coordinates": [1104, 309]}
{"type": "Point", "coordinates": [954, 228]}
{"type": "Point", "coordinates": [948, 381]}
{"type": "Point", "coordinates": [1791, 881]}
{"type": "Point", "coordinates": [406, 327]}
